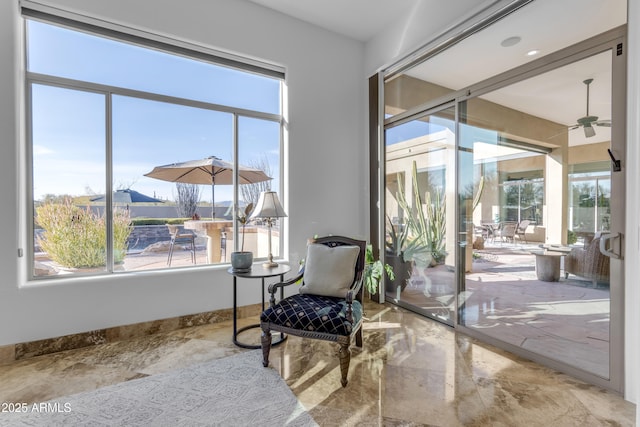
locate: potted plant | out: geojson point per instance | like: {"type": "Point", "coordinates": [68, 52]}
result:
{"type": "Point", "coordinates": [373, 270]}
{"type": "Point", "coordinates": [396, 245]}
{"type": "Point", "coordinates": [425, 242]}
{"type": "Point", "coordinates": [241, 261]}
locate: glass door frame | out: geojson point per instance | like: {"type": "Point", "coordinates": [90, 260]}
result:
{"type": "Point", "coordinates": [614, 40]}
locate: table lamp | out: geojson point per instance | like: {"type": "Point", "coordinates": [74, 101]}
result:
{"type": "Point", "coordinates": [269, 208]}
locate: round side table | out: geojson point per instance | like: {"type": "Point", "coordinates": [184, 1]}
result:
{"type": "Point", "coordinates": [258, 271]}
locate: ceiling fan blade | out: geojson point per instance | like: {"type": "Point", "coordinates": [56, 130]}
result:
{"type": "Point", "coordinates": [574, 127]}
{"type": "Point", "coordinates": [604, 123]}
{"type": "Point", "coordinates": [589, 131]}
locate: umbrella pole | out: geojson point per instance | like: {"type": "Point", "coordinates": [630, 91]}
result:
{"type": "Point", "coordinates": [213, 197]}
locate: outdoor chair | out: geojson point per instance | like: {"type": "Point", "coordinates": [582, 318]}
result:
{"type": "Point", "coordinates": [178, 237]}
{"type": "Point", "coordinates": [329, 303]}
{"type": "Point", "coordinates": [588, 262]}
{"type": "Point", "coordinates": [482, 231]}
{"type": "Point", "coordinates": [521, 230]}
{"type": "Point", "coordinates": [508, 231]}
{"type": "Point", "coordinates": [480, 236]}
{"type": "Point", "coordinates": [491, 229]}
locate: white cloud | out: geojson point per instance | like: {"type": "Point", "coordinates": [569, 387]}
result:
{"type": "Point", "coordinates": [41, 150]}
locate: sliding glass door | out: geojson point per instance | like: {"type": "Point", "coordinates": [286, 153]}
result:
{"type": "Point", "coordinates": [503, 208]}
{"type": "Point", "coordinates": [538, 213]}
{"type": "Point", "coordinates": [420, 213]}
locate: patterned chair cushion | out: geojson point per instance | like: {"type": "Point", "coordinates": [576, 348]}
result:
{"type": "Point", "coordinates": [313, 313]}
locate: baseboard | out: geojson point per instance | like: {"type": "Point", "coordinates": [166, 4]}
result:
{"type": "Point", "coordinates": [11, 353]}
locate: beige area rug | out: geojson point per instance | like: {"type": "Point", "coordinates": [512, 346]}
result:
{"type": "Point", "coordinates": [233, 391]}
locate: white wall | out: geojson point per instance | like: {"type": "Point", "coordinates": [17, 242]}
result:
{"type": "Point", "coordinates": [632, 247]}
{"type": "Point", "coordinates": [327, 181]}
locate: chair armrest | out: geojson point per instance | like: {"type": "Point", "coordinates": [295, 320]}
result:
{"type": "Point", "coordinates": [351, 293]}
{"type": "Point", "coordinates": [275, 286]}
{"type": "Point", "coordinates": [577, 254]}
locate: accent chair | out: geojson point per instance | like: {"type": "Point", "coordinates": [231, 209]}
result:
{"type": "Point", "coordinates": [329, 303]}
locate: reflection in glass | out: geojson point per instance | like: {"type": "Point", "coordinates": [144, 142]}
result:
{"type": "Point", "coordinates": [532, 203]}
{"type": "Point", "coordinates": [419, 212]}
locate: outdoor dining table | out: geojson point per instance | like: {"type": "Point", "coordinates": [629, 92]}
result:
{"type": "Point", "coordinates": [213, 230]}
{"type": "Point", "coordinates": [492, 229]}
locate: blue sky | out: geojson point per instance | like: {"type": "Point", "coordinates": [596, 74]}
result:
{"type": "Point", "coordinates": [69, 125]}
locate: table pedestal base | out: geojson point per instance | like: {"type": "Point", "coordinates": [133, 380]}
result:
{"type": "Point", "coordinates": [274, 342]}
{"type": "Point", "coordinates": [548, 268]}
{"type": "Point", "coordinates": [256, 272]}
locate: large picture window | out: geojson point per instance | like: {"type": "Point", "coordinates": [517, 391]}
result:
{"type": "Point", "coordinates": [589, 198]}
{"type": "Point", "coordinates": [110, 120]}
{"type": "Point", "coordinates": [523, 200]}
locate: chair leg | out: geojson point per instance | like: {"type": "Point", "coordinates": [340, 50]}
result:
{"type": "Point", "coordinates": [345, 359]}
{"type": "Point", "coordinates": [359, 337]}
{"type": "Point", "coordinates": [266, 346]}
{"type": "Point", "coordinates": [170, 253]}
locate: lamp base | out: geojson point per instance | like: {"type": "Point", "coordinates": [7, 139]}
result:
{"type": "Point", "coordinates": [270, 264]}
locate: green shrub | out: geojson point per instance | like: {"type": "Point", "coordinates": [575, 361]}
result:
{"type": "Point", "coordinates": [572, 237]}
{"type": "Point", "coordinates": [77, 238]}
{"type": "Point", "coordinates": [158, 221]}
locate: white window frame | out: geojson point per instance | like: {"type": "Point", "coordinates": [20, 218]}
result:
{"type": "Point", "coordinates": [38, 12]}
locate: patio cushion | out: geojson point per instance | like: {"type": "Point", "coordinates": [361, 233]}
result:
{"type": "Point", "coordinates": [314, 313]}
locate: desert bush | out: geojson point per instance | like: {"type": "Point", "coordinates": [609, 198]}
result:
{"type": "Point", "coordinates": [77, 238]}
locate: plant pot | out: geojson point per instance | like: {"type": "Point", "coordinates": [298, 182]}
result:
{"type": "Point", "coordinates": [241, 261]}
{"type": "Point", "coordinates": [375, 297]}
{"type": "Point", "coordinates": [401, 271]}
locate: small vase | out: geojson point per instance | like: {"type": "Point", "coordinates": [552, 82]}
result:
{"type": "Point", "coordinates": [241, 261]}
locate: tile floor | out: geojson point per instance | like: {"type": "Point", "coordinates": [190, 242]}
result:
{"type": "Point", "coordinates": [411, 372]}
{"type": "Point", "coordinates": [566, 320]}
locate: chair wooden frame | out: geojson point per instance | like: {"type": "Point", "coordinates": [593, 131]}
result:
{"type": "Point", "coordinates": [355, 292]}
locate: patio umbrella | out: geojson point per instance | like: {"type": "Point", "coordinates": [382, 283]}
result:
{"type": "Point", "coordinates": [211, 170]}
{"type": "Point", "coordinates": [128, 196]}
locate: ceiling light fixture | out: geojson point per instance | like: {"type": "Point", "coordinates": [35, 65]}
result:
{"type": "Point", "coordinates": [510, 41]}
{"type": "Point", "coordinates": [533, 52]}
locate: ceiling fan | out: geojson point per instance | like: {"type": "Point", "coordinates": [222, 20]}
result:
{"type": "Point", "coordinates": [587, 122]}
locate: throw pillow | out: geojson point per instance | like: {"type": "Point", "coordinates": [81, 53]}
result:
{"type": "Point", "coordinates": [329, 271]}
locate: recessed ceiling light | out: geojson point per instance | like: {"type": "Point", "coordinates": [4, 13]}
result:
{"type": "Point", "coordinates": [533, 52]}
{"type": "Point", "coordinates": [510, 41]}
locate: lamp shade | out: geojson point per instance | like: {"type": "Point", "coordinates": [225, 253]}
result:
{"type": "Point", "coordinates": [268, 206]}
